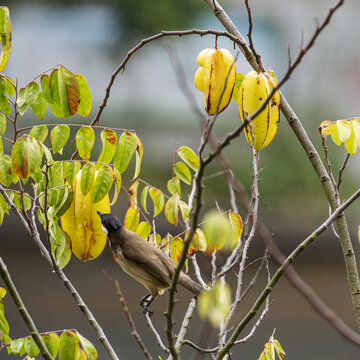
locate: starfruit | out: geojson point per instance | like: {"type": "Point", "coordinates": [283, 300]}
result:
{"type": "Point", "coordinates": [254, 90]}
{"type": "Point", "coordinates": [216, 72]}
{"type": "Point", "coordinates": [345, 132]}
{"type": "Point", "coordinates": [82, 223]}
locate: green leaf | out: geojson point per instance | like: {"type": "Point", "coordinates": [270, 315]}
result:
{"type": "Point", "coordinates": [85, 96]}
{"type": "Point", "coordinates": [3, 82]}
{"type": "Point", "coordinates": [109, 141]}
{"type": "Point", "coordinates": [45, 88]}
{"type": "Point", "coordinates": [126, 147]}
{"type": "Point", "coordinates": [5, 27]}
{"type": "Point", "coordinates": [31, 93]}
{"type": "Point", "coordinates": [144, 229]}
{"type": "Point", "coordinates": [10, 86]}
{"type": "Point", "coordinates": [184, 209]}
{"type": "Point", "coordinates": [40, 106]}
{"type": "Point", "coordinates": [139, 151]}
{"type": "Point", "coordinates": [4, 325]}
{"type": "Point", "coordinates": [47, 153]}
{"type": "Point", "coordinates": [87, 178]}
{"type": "Point", "coordinates": [214, 305]}
{"type": "Point", "coordinates": [65, 202]}
{"type": "Point", "coordinates": [31, 347]}
{"type": "Point", "coordinates": [63, 253]}
{"type": "Point", "coordinates": [5, 105]}
{"type": "Point", "coordinates": [158, 200]}
{"type": "Point", "coordinates": [103, 181]}
{"type": "Point", "coordinates": [238, 81]}
{"type": "Point", "coordinates": [88, 347]}
{"type": "Point", "coordinates": [69, 346]}
{"type": "Point", "coordinates": [21, 102]}
{"type": "Point", "coordinates": [52, 343]}
{"type": "Point", "coordinates": [189, 157]}
{"type": "Point", "coordinates": [176, 247]}
{"type": "Point", "coordinates": [85, 138]}
{"type": "Point", "coordinates": [132, 217]}
{"type": "Point", "coordinates": [143, 197]}
{"type": "Point", "coordinates": [217, 230]}
{"type": "Point", "coordinates": [26, 156]}
{"type": "Point", "coordinates": [65, 92]}
{"type": "Point", "coordinates": [182, 172]}
{"type": "Point", "coordinates": [59, 136]}
{"type": "Point", "coordinates": [117, 187]}
{"type": "Point", "coordinates": [17, 201]}
{"type": "Point", "coordinates": [56, 179]}
{"type": "Point", "coordinates": [2, 124]}
{"type": "Point", "coordinates": [173, 185]}
{"type": "Point", "coordinates": [17, 346]}
{"type": "Point", "coordinates": [172, 209]}
{"type": "Point", "coordinates": [71, 168]}
{"type": "Point", "coordinates": [39, 132]}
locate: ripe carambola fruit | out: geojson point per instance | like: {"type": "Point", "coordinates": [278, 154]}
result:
{"type": "Point", "coordinates": [83, 224]}
{"type": "Point", "coordinates": [216, 71]}
{"type": "Point", "coordinates": [254, 90]}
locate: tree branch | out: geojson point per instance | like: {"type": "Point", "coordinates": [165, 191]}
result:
{"type": "Point", "coordinates": [32, 230]}
{"type": "Point", "coordinates": [294, 122]}
{"type": "Point", "coordinates": [298, 250]}
{"type": "Point", "coordinates": [23, 311]}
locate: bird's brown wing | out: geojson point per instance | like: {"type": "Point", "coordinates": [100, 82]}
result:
{"type": "Point", "coordinates": [151, 259]}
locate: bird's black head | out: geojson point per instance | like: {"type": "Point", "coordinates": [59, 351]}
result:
{"type": "Point", "coordinates": [110, 222]}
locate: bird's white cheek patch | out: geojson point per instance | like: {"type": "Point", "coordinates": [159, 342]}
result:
{"type": "Point", "coordinates": [104, 229]}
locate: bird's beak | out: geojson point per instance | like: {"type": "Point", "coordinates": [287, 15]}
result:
{"type": "Point", "coordinates": [99, 213]}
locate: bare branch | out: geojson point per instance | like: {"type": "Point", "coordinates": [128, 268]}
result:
{"type": "Point", "coordinates": [296, 252]}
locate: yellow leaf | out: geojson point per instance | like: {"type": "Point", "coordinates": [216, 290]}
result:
{"type": "Point", "coordinates": [236, 225]}
{"type": "Point", "coordinates": [133, 195]}
{"type": "Point", "coordinates": [132, 217]}
{"type": "Point", "coordinates": [144, 229]}
{"type": "Point", "coordinates": [344, 129]}
{"type": "Point", "coordinates": [356, 130]}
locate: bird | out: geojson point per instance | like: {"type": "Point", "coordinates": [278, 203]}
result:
{"type": "Point", "coordinates": [143, 261]}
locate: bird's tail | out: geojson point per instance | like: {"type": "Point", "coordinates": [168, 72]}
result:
{"type": "Point", "coordinates": [190, 285]}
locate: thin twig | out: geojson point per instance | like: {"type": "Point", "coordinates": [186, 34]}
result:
{"type": "Point", "coordinates": [298, 283]}
{"type": "Point", "coordinates": [134, 332]}
{"type": "Point", "coordinates": [296, 252]}
{"type": "Point", "coordinates": [157, 336]}
{"type": "Point", "coordinates": [34, 233]}
{"type": "Point", "coordinates": [23, 311]}
{"type": "Point", "coordinates": [342, 168]}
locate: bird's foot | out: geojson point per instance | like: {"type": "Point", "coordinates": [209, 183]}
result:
{"type": "Point", "coordinates": [145, 303]}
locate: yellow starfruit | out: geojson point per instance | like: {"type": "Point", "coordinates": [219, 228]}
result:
{"type": "Point", "coordinates": [346, 131]}
{"type": "Point", "coordinates": [216, 72]}
{"type": "Point", "coordinates": [254, 90]}
{"type": "Point", "coordinates": [83, 224]}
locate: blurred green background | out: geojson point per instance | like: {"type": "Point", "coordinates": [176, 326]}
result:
{"type": "Point", "coordinates": [92, 38]}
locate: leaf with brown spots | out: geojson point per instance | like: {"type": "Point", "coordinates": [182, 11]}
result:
{"type": "Point", "coordinates": [109, 140]}
{"type": "Point", "coordinates": [26, 156]}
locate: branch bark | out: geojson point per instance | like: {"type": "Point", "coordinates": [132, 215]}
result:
{"type": "Point", "coordinates": [314, 158]}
